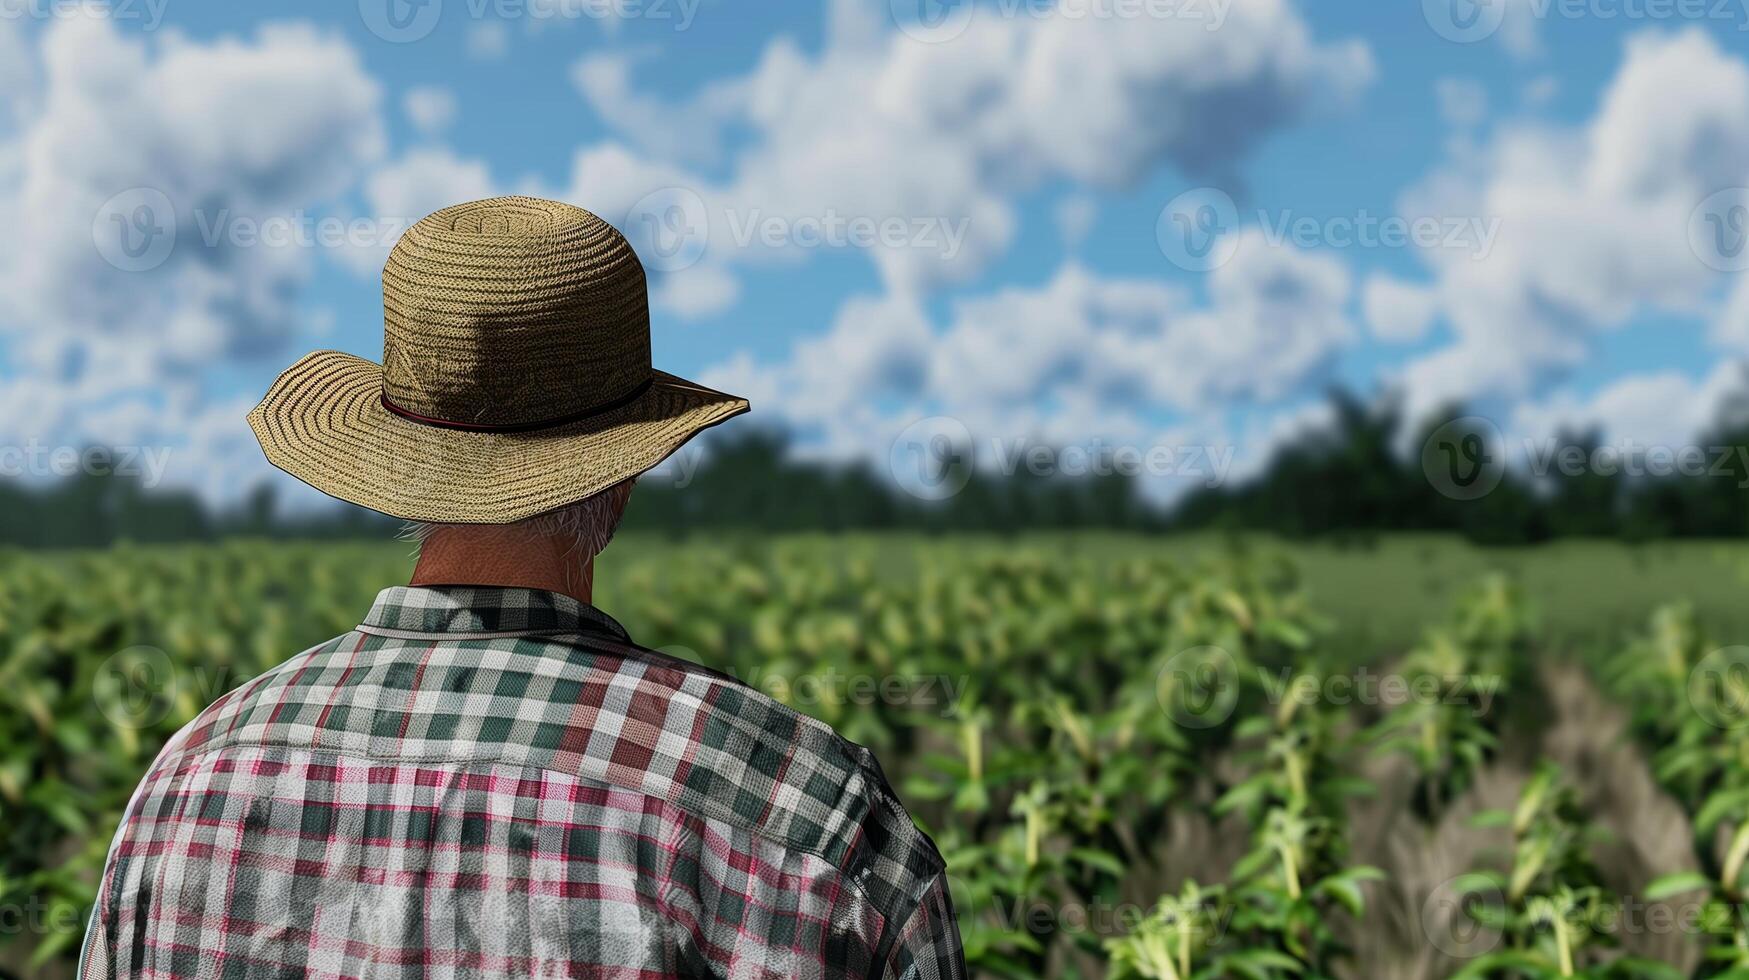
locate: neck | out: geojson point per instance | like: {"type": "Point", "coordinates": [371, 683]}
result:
{"type": "Point", "coordinates": [503, 556]}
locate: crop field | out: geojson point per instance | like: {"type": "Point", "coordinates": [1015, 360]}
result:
{"type": "Point", "coordinates": [1167, 758]}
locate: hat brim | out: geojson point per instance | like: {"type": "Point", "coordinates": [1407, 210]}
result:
{"type": "Point", "coordinates": [323, 422]}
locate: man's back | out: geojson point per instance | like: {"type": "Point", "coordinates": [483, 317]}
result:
{"type": "Point", "coordinates": [496, 782]}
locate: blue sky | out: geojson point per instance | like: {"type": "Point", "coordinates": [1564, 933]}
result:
{"type": "Point", "coordinates": [1569, 153]}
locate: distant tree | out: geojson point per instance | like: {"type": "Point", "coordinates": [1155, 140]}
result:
{"type": "Point", "coordinates": [1360, 475]}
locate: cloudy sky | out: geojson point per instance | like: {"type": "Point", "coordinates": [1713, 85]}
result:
{"type": "Point", "coordinates": [1137, 222]}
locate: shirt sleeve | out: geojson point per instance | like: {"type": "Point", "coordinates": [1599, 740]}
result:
{"type": "Point", "coordinates": [94, 955]}
{"type": "Point", "coordinates": [928, 945]}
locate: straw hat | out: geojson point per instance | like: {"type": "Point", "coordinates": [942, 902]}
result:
{"type": "Point", "coordinates": [516, 375]}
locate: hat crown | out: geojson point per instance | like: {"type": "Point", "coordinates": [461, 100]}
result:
{"type": "Point", "coordinates": [513, 311]}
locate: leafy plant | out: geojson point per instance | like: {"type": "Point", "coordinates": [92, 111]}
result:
{"type": "Point", "coordinates": [1556, 918]}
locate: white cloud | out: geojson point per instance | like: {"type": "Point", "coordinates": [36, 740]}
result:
{"type": "Point", "coordinates": [1730, 329]}
{"type": "Point", "coordinates": [688, 133]}
{"type": "Point", "coordinates": [17, 76]}
{"type": "Point", "coordinates": [1593, 221]}
{"type": "Point", "coordinates": [881, 125]}
{"type": "Point", "coordinates": [1665, 409]}
{"type": "Point", "coordinates": [182, 135]}
{"type": "Point", "coordinates": [881, 128]}
{"type": "Point", "coordinates": [1076, 357]}
{"type": "Point", "coordinates": [406, 189]}
{"type": "Point", "coordinates": [762, 386]}
{"type": "Point", "coordinates": [1258, 442]}
{"type": "Point", "coordinates": [1540, 91]}
{"type": "Point", "coordinates": [1520, 29]}
{"type": "Point", "coordinates": [488, 40]}
{"type": "Point", "coordinates": [149, 139]}
{"type": "Point", "coordinates": [696, 292]}
{"type": "Point", "coordinates": [1277, 319]}
{"type": "Point", "coordinates": [1463, 102]}
{"type": "Point", "coordinates": [877, 350]}
{"type": "Point", "coordinates": [609, 178]}
{"type": "Point", "coordinates": [430, 108]}
{"type": "Point", "coordinates": [1398, 311]}
{"type": "Point", "coordinates": [1676, 118]}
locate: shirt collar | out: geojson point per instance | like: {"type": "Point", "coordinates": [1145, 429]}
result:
{"type": "Point", "coordinates": [486, 609]}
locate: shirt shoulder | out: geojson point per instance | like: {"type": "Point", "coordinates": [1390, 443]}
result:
{"type": "Point", "coordinates": [589, 703]}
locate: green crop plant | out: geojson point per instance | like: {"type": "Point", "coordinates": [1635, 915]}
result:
{"type": "Point", "coordinates": [1052, 714]}
{"type": "Point", "coordinates": [1554, 915]}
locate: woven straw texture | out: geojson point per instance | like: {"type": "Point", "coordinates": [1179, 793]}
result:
{"type": "Point", "coordinates": [507, 312]}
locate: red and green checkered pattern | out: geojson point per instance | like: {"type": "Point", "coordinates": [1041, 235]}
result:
{"type": "Point", "coordinates": [495, 782]}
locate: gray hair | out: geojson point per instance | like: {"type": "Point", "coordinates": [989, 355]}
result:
{"type": "Point", "coordinates": [588, 525]}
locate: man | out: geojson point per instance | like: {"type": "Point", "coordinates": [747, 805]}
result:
{"type": "Point", "coordinates": [488, 777]}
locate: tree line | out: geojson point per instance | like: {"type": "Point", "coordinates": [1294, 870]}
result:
{"type": "Point", "coordinates": [1354, 476]}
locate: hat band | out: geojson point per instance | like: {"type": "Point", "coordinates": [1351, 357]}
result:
{"type": "Point", "coordinates": [594, 410]}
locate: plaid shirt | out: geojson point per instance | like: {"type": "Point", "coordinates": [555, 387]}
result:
{"type": "Point", "coordinates": [496, 782]}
